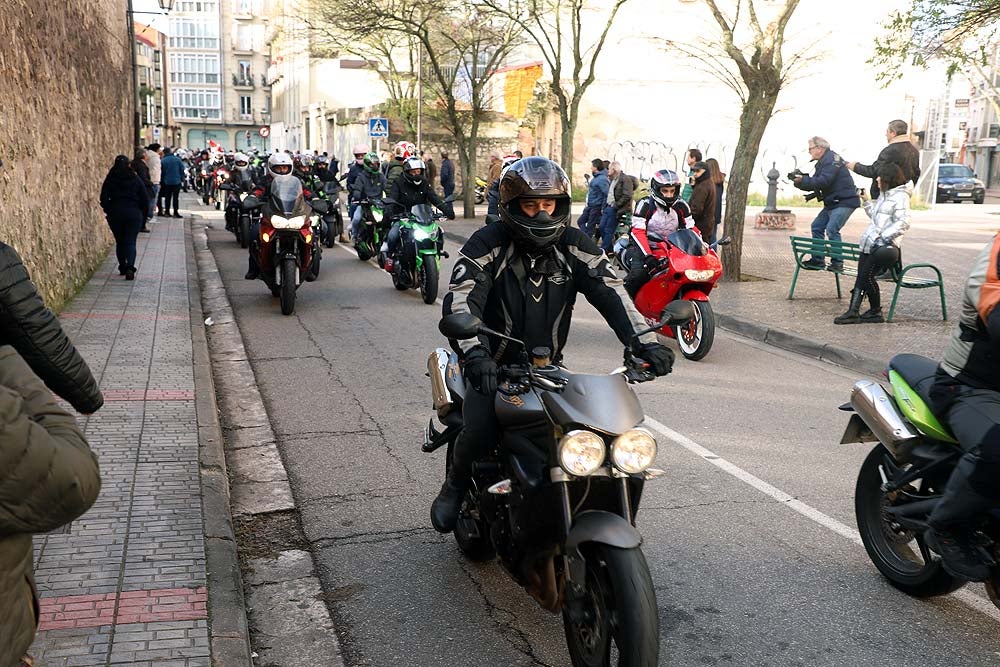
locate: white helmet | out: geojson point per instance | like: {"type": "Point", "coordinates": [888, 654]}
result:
{"type": "Point", "coordinates": [410, 166]}
{"type": "Point", "coordinates": [241, 158]}
{"type": "Point", "coordinates": [361, 150]}
{"type": "Point", "coordinates": [279, 161]}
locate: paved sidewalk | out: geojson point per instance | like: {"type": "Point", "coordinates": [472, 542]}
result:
{"type": "Point", "coordinates": [128, 583]}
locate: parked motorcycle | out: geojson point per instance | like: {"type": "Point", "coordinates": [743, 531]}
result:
{"type": "Point", "coordinates": [373, 230]}
{"type": "Point", "coordinates": [557, 498]}
{"type": "Point", "coordinates": [689, 269]}
{"type": "Point", "coordinates": [289, 251]}
{"type": "Point", "coordinates": [417, 261]}
{"type": "Point", "coordinates": [902, 480]}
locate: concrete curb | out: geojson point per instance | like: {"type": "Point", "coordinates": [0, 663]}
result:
{"type": "Point", "coordinates": [228, 631]}
{"type": "Point", "coordinates": [786, 340]}
{"type": "Point", "coordinates": [291, 624]}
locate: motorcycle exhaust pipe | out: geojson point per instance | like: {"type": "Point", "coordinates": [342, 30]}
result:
{"type": "Point", "coordinates": [878, 410]}
{"type": "Point", "coordinates": [437, 366]}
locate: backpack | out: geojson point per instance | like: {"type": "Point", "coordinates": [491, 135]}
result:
{"type": "Point", "coordinates": [989, 293]}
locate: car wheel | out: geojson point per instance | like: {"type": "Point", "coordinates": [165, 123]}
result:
{"type": "Point", "coordinates": [979, 200]}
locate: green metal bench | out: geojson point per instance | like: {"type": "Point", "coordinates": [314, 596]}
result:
{"type": "Point", "coordinates": [805, 247]}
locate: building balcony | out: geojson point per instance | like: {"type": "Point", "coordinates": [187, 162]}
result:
{"type": "Point", "coordinates": [243, 82]}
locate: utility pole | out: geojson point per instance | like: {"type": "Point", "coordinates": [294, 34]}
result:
{"type": "Point", "coordinates": [130, 19]}
{"type": "Point", "coordinates": [420, 71]}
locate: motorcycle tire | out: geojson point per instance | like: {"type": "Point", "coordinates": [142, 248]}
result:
{"type": "Point", "coordinates": [313, 272]}
{"type": "Point", "coordinates": [695, 338]}
{"type": "Point", "coordinates": [287, 286]}
{"type": "Point", "coordinates": [243, 232]}
{"type": "Point", "coordinates": [364, 251]}
{"type": "Point", "coordinates": [480, 198]}
{"type": "Point", "coordinates": [620, 609]}
{"type": "Point", "coordinates": [328, 235]}
{"type": "Point", "coordinates": [920, 575]}
{"type": "Point", "coordinates": [471, 533]}
{"type": "Point", "coordinates": [429, 280]}
{"type": "Point", "coordinates": [397, 278]}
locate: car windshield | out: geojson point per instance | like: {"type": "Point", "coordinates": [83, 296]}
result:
{"type": "Point", "coordinates": [286, 196]}
{"type": "Point", "coordinates": [954, 171]}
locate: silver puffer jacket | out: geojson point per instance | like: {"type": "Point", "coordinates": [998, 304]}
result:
{"type": "Point", "coordinates": [890, 215]}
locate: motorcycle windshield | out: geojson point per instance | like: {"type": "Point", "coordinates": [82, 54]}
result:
{"type": "Point", "coordinates": [422, 213]}
{"type": "Point", "coordinates": [687, 241]}
{"type": "Point", "coordinates": [243, 180]}
{"type": "Point", "coordinates": [602, 402]}
{"type": "Point", "coordinates": [286, 196]}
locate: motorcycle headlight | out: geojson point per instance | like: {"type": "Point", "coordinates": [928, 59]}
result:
{"type": "Point", "coordinates": [581, 453]}
{"type": "Point", "coordinates": [699, 275]}
{"type": "Point", "coordinates": [633, 451]}
{"type": "Point", "coordinates": [279, 222]}
{"type": "Point", "coordinates": [420, 235]}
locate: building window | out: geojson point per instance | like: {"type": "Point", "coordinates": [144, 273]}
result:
{"type": "Point", "coordinates": [242, 6]}
{"type": "Point", "coordinates": [191, 102]}
{"type": "Point", "coordinates": [200, 6]}
{"type": "Point", "coordinates": [246, 107]}
{"type": "Point", "coordinates": [187, 33]}
{"type": "Point", "coordinates": [244, 38]}
{"type": "Point", "coordinates": [194, 68]}
{"type": "Point", "coordinates": [243, 75]}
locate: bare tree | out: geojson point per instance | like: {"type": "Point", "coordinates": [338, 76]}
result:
{"type": "Point", "coordinates": [757, 72]}
{"type": "Point", "coordinates": [557, 27]}
{"type": "Point", "coordinates": [461, 47]}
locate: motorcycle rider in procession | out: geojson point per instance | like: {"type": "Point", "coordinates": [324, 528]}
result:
{"type": "Point", "coordinates": [966, 392]}
{"type": "Point", "coordinates": [241, 177]}
{"type": "Point", "coordinates": [360, 151]}
{"type": "Point", "coordinates": [521, 278]}
{"type": "Point", "coordinates": [409, 190]}
{"type": "Point", "coordinates": [370, 185]}
{"type": "Point", "coordinates": [279, 164]}
{"type": "Point", "coordinates": [662, 213]}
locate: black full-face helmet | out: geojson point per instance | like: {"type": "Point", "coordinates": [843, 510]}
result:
{"type": "Point", "coordinates": [535, 177]}
{"type": "Point", "coordinates": [660, 179]}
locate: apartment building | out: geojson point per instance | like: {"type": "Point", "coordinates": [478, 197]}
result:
{"type": "Point", "coordinates": [154, 112]}
{"type": "Point", "coordinates": [216, 65]}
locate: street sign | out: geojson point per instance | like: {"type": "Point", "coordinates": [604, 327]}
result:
{"type": "Point", "coordinates": [264, 131]}
{"type": "Point", "coordinates": [156, 133]}
{"type": "Point", "coordinates": [378, 128]}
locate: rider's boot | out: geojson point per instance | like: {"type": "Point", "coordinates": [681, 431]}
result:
{"type": "Point", "coordinates": [253, 271]}
{"type": "Point", "coordinates": [951, 532]}
{"type": "Point", "coordinates": [851, 316]}
{"type": "Point", "coordinates": [445, 509]}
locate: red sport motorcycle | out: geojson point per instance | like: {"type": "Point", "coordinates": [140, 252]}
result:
{"type": "Point", "coordinates": [287, 250]}
{"type": "Point", "coordinates": [686, 268]}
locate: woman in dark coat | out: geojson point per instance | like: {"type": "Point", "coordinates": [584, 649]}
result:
{"type": "Point", "coordinates": [125, 202]}
{"type": "Point", "coordinates": [718, 178]}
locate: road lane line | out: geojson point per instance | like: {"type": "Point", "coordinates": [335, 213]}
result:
{"type": "Point", "coordinates": [967, 597]}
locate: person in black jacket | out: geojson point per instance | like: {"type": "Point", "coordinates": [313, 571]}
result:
{"type": "Point", "coordinates": [409, 190]}
{"type": "Point", "coordinates": [900, 151]}
{"type": "Point", "coordinates": [521, 277]}
{"type": "Point", "coordinates": [125, 201]}
{"type": "Point", "coordinates": [33, 330]}
{"type": "Point", "coordinates": [834, 186]}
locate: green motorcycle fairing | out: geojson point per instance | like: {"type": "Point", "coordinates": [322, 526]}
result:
{"type": "Point", "coordinates": [916, 411]}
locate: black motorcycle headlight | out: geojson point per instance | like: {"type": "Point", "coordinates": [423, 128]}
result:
{"type": "Point", "coordinates": [581, 453]}
{"type": "Point", "coordinates": [634, 450]}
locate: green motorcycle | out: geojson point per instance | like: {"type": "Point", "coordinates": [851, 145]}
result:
{"type": "Point", "coordinates": [417, 261]}
{"type": "Point", "coordinates": [374, 228]}
{"type": "Point", "coordinates": [903, 478]}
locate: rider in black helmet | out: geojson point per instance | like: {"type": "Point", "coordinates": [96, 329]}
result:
{"type": "Point", "coordinates": [521, 278]}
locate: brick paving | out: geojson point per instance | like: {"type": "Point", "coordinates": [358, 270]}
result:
{"type": "Point", "coordinates": [126, 584]}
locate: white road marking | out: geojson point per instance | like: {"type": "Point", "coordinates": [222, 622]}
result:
{"type": "Point", "coordinates": [967, 597]}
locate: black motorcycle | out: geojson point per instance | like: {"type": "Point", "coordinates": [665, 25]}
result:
{"type": "Point", "coordinates": [557, 499]}
{"type": "Point", "coordinates": [332, 222]}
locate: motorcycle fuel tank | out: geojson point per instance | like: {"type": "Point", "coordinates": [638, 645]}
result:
{"type": "Point", "coordinates": [518, 409]}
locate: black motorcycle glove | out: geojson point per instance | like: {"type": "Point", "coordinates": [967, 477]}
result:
{"type": "Point", "coordinates": [659, 358]}
{"type": "Point", "coordinates": [481, 370]}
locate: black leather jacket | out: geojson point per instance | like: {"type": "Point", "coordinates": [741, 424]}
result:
{"type": "Point", "coordinates": [33, 330]}
{"type": "Point", "coordinates": [532, 298]}
{"type": "Point", "coordinates": [405, 194]}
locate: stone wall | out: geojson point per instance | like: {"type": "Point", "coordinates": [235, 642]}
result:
{"type": "Point", "coordinates": [65, 105]}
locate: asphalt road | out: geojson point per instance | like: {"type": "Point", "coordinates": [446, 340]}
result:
{"type": "Point", "coordinates": [741, 578]}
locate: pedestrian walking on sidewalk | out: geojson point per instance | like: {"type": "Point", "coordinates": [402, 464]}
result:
{"type": "Point", "coordinates": [140, 168]}
{"type": "Point", "coordinates": [834, 186]}
{"type": "Point", "coordinates": [125, 200]}
{"type": "Point", "coordinates": [702, 201]}
{"type": "Point", "coordinates": [153, 163]}
{"type": "Point", "coordinates": [899, 151]}
{"type": "Point", "coordinates": [171, 177]}
{"type": "Point", "coordinates": [597, 195]}
{"type": "Point", "coordinates": [719, 179]}
{"type": "Point", "coordinates": [890, 215]}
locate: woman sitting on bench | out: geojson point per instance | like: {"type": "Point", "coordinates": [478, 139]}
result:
{"type": "Point", "coordinates": [890, 215]}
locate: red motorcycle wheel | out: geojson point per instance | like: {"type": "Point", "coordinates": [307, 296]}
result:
{"type": "Point", "coordinates": [696, 337]}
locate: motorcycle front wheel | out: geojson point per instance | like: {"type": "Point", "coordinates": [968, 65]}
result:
{"type": "Point", "coordinates": [244, 231]}
{"type": "Point", "coordinates": [696, 337]}
{"type": "Point", "coordinates": [287, 286]}
{"type": "Point", "coordinates": [329, 233]}
{"type": "Point", "coordinates": [429, 279]}
{"type": "Point", "coordinates": [900, 554]}
{"type": "Point", "coordinates": [617, 611]}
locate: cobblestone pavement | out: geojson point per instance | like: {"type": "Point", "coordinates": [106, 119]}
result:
{"type": "Point", "coordinates": [126, 583]}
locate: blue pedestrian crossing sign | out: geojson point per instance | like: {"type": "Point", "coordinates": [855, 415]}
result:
{"type": "Point", "coordinates": [378, 128]}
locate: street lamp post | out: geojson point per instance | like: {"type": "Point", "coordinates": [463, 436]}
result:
{"type": "Point", "coordinates": [166, 6]}
{"type": "Point", "coordinates": [204, 129]}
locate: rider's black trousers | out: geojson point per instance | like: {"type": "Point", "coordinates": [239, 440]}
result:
{"type": "Point", "coordinates": [479, 435]}
{"type": "Point", "coordinates": [974, 417]}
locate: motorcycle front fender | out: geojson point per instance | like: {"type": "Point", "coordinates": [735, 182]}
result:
{"type": "Point", "coordinates": [604, 528]}
{"type": "Point", "coordinates": [695, 294]}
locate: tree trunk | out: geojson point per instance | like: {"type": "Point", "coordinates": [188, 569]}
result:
{"type": "Point", "coordinates": [566, 135]}
{"type": "Point", "coordinates": [466, 154]}
{"type": "Point", "coordinates": [753, 121]}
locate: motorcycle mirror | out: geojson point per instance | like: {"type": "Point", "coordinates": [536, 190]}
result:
{"type": "Point", "coordinates": [250, 202]}
{"type": "Point", "coordinates": [460, 326]}
{"type": "Point", "coordinates": [726, 240]}
{"type": "Point", "coordinates": [677, 312]}
{"type": "Point", "coordinates": [320, 206]}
